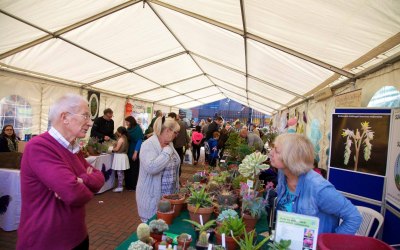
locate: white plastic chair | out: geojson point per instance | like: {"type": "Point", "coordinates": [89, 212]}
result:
{"type": "Point", "coordinates": [368, 217]}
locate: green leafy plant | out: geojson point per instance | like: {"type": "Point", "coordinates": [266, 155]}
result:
{"type": "Point", "coordinates": [237, 180]}
{"type": "Point", "coordinates": [358, 139]}
{"type": "Point", "coordinates": [199, 198]}
{"type": "Point", "coordinates": [226, 198]}
{"type": "Point", "coordinates": [253, 205]}
{"type": "Point", "coordinates": [248, 242]}
{"type": "Point", "coordinates": [218, 247]}
{"type": "Point", "coordinates": [235, 225]}
{"type": "Point", "coordinates": [281, 245]}
{"type": "Point", "coordinates": [199, 227]}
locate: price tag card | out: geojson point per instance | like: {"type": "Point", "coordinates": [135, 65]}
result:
{"type": "Point", "coordinates": [250, 183]}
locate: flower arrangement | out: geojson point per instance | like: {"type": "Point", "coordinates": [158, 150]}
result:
{"type": "Point", "coordinates": [358, 139]}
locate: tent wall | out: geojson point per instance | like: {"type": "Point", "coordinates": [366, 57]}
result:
{"type": "Point", "coordinates": [319, 112]}
{"type": "Point", "coordinates": [40, 94]}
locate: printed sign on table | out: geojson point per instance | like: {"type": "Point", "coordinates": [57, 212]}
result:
{"type": "Point", "coordinates": [302, 230]}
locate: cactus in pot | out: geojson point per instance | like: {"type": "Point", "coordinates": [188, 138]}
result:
{"type": "Point", "coordinates": [165, 212]}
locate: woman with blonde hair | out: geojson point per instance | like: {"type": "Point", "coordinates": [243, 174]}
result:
{"type": "Point", "coordinates": [159, 166]}
{"type": "Point", "coordinates": [301, 190]}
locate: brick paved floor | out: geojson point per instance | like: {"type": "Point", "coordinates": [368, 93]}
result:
{"type": "Point", "coordinates": [110, 217]}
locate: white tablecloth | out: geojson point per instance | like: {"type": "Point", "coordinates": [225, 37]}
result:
{"type": "Point", "coordinates": [104, 163]}
{"type": "Point", "coordinates": [10, 185]}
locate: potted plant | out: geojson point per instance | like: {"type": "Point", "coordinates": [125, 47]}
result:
{"type": "Point", "coordinates": [228, 226]}
{"type": "Point", "coordinates": [177, 201]}
{"type": "Point", "coordinates": [184, 240]}
{"type": "Point", "coordinates": [157, 228]}
{"type": "Point", "coordinates": [143, 234]}
{"type": "Point", "coordinates": [139, 245]}
{"type": "Point", "coordinates": [252, 209]}
{"type": "Point", "coordinates": [218, 247]}
{"type": "Point", "coordinates": [248, 242]}
{"type": "Point", "coordinates": [227, 199]}
{"type": "Point", "coordinates": [202, 242]}
{"type": "Point", "coordinates": [281, 245]}
{"type": "Point", "coordinates": [202, 228]}
{"type": "Point", "coordinates": [165, 212]}
{"type": "Point", "coordinates": [93, 146]}
{"type": "Point", "coordinates": [252, 164]}
{"type": "Point", "coordinates": [200, 203]}
{"type": "Point", "coordinates": [225, 214]}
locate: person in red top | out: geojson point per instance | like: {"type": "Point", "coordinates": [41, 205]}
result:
{"type": "Point", "coordinates": [57, 182]}
{"type": "Point", "coordinates": [197, 137]}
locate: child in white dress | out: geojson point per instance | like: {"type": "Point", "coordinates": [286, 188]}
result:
{"type": "Point", "coordinates": [121, 161]}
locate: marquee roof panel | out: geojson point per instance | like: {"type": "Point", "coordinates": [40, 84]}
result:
{"type": "Point", "coordinates": [267, 55]}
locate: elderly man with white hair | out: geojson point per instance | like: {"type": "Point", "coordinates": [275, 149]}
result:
{"type": "Point", "coordinates": [57, 182]}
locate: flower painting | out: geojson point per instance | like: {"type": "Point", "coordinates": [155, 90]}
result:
{"type": "Point", "coordinates": [359, 142]}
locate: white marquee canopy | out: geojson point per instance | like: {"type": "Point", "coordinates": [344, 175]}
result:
{"type": "Point", "coordinates": [265, 54]}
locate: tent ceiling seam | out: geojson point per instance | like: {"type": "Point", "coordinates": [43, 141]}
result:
{"type": "Point", "coordinates": [169, 29]}
{"type": "Point", "coordinates": [242, 12]}
{"type": "Point", "coordinates": [250, 76]}
{"type": "Point", "coordinates": [63, 30]}
{"type": "Point", "coordinates": [194, 100]}
{"type": "Point", "coordinates": [256, 38]}
{"type": "Point", "coordinates": [251, 92]}
{"type": "Point", "coordinates": [251, 100]}
{"type": "Point", "coordinates": [138, 67]}
{"type": "Point", "coordinates": [184, 93]}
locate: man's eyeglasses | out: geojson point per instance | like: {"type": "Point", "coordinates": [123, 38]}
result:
{"type": "Point", "coordinates": [85, 116]}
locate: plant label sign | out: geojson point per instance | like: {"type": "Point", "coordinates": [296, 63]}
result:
{"type": "Point", "coordinates": [302, 230]}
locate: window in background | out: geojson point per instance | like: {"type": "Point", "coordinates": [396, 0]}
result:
{"type": "Point", "coordinates": [16, 111]}
{"type": "Point", "coordinates": [387, 96]}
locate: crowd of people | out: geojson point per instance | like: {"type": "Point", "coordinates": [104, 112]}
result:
{"type": "Point", "coordinates": [57, 182]}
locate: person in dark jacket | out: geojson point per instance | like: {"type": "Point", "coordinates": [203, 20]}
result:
{"type": "Point", "coordinates": [214, 127]}
{"type": "Point", "coordinates": [8, 139]}
{"type": "Point", "coordinates": [135, 138]}
{"type": "Point", "coordinates": [103, 127]}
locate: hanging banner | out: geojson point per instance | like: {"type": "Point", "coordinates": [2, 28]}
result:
{"type": "Point", "coordinates": [139, 111]}
{"type": "Point", "coordinates": [360, 142]}
{"type": "Point", "coordinates": [393, 171]}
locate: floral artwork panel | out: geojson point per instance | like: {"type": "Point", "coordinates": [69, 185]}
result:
{"type": "Point", "coordinates": [371, 132]}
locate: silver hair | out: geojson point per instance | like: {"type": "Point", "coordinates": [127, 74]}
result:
{"type": "Point", "coordinates": [169, 122]}
{"type": "Point", "coordinates": [66, 103]}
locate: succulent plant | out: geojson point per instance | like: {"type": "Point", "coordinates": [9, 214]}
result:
{"type": "Point", "coordinates": [229, 213]}
{"type": "Point", "coordinates": [184, 236]}
{"type": "Point", "coordinates": [201, 228]}
{"type": "Point", "coordinates": [203, 239]}
{"type": "Point", "coordinates": [199, 198]}
{"type": "Point", "coordinates": [164, 206]}
{"type": "Point", "coordinates": [226, 198]}
{"type": "Point", "coordinates": [197, 177]}
{"type": "Point", "coordinates": [237, 180]}
{"type": "Point", "coordinates": [158, 226]}
{"type": "Point", "coordinates": [218, 247]}
{"type": "Point", "coordinates": [143, 231]}
{"type": "Point", "coordinates": [236, 225]}
{"type": "Point", "coordinates": [140, 245]}
{"type": "Point", "coordinates": [248, 242]}
{"type": "Point", "coordinates": [252, 164]}
{"type": "Point", "coordinates": [212, 186]}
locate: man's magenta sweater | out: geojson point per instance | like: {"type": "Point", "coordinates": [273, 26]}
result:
{"type": "Point", "coordinates": [47, 169]}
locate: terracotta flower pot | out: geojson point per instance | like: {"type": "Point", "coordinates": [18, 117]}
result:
{"type": "Point", "coordinates": [204, 211]}
{"type": "Point", "coordinates": [249, 221]}
{"type": "Point", "coordinates": [167, 217]}
{"type": "Point", "coordinates": [177, 204]}
{"type": "Point", "coordinates": [184, 245]}
{"type": "Point", "coordinates": [156, 236]}
{"type": "Point", "coordinates": [230, 242]}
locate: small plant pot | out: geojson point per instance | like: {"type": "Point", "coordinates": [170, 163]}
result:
{"type": "Point", "coordinates": [167, 217]}
{"type": "Point", "coordinates": [210, 231]}
{"type": "Point", "coordinates": [204, 211]}
{"type": "Point", "coordinates": [230, 242]}
{"type": "Point", "coordinates": [156, 236]}
{"type": "Point", "coordinates": [176, 203]}
{"type": "Point", "coordinates": [183, 244]}
{"type": "Point", "coordinates": [249, 221]}
{"type": "Point", "coordinates": [200, 247]}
